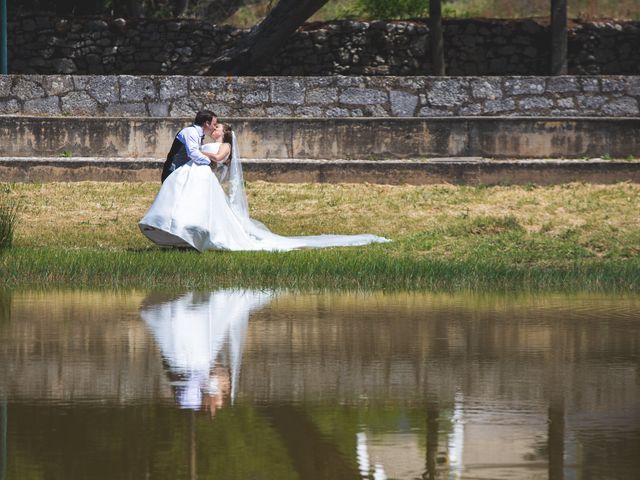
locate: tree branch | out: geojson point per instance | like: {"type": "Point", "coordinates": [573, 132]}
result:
{"type": "Point", "coordinates": [265, 39]}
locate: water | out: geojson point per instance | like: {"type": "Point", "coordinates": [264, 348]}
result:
{"type": "Point", "coordinates": [265, 385]}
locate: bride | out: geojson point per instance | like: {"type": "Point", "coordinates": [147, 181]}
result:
{"type": "Point", "coordinates": [193, 210]}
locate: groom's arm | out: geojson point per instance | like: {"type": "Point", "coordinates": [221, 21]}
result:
{"type": "Point", "coordinates": [192, 145]}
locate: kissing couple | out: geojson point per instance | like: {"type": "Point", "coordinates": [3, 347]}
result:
{"type": "Point", "coordinates": [193, 210]}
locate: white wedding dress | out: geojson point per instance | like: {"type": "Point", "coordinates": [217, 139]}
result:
{"type": "Point", "coordinates": [193, 210]}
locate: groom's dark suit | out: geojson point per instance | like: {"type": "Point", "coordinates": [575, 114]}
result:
{"type": "Point", "coordinates": [178, 154]}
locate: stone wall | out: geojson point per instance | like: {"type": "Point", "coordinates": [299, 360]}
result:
{"type": "Point", "coordinates": [336, 96]}
{"type": "Point", "coordinates": [46, 44]}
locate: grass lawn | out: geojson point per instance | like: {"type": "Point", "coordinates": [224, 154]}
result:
{"type": "Point", "coordinates": [573, 236]}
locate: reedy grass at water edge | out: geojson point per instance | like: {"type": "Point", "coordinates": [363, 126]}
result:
{"type": "Point", "coordinates": [368, 269]}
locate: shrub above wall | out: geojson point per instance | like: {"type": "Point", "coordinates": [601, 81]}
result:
{"type": "Point", "coordinates": [47, 44]}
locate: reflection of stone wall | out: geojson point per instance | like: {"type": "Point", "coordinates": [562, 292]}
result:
{"type": "Point", "coordinates": [339, 96]}
{"type": "Point", "coordinates": [409, 348]}
{"type": "Point", "coordinates": [45, 44]}
{"type": "Point", "coordinates": [79, 345]}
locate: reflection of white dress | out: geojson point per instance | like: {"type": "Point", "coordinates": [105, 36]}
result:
{"type": "Point", "coordinates": [192, 332]}
{"type": "Point", "coordinates": [192, 209]}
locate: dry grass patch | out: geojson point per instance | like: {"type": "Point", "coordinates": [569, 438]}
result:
{"type": "Point", "coordinates": [602, 218]}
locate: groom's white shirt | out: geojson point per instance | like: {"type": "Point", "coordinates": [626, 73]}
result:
{"type": "Point", "coordinates": [191, 136]}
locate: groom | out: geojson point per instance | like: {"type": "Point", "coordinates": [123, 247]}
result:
{"type": "Point", "coordinates": [186, 145]}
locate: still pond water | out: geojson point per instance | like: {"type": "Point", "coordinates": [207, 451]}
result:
{"type": "Point", "coordinates": [238, 384]}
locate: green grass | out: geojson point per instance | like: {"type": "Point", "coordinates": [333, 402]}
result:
{"type": "Point", "coordinates": [248, 16]}
{"type": "Point", "coordinates": [565, 237]}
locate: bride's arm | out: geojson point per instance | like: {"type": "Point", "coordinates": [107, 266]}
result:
{"type": "Point", "coordinates": [221, 155]}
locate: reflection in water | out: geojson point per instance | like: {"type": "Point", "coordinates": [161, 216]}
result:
{"type": "Point", "coordinates": [191, 332]}
{"type": "Point", "coordinates": [340, 386]}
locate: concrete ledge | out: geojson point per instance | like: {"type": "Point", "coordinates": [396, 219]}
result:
{"type": "Point", "coordinates": [340, 138]}
{"type": "Point", "coordinates": [471, 171]}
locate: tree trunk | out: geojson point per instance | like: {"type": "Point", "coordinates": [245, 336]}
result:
{"type": "Point", "coordinates": [558, 37]}
{"type": "Point", "coordinates": [265, 39]}
{"type": "Point", "coordinates": [137, 8]}
{"type": "Point", "coordinates": [180, 7]}
{"type": "Point", "coordinates": [435, 37]}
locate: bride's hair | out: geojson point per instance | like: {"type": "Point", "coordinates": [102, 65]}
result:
{"type": "Point", "coordinates": [227, 136]}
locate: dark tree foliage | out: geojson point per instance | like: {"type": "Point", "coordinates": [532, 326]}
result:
{"type": "Point", "coordinates": [212, 10]}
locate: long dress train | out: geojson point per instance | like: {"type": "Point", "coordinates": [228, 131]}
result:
{"type": "Point", "coordinates": [192, 209]}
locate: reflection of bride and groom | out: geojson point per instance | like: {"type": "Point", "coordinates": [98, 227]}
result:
{"type": "Point", "coordinates": [201, 337]}
{"type": "Point", "coordinates": [192, 208]}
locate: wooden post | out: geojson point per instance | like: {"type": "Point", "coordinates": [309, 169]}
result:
{"type": "Point", "coordinates": [558, 37]}
{"type": "Point", "coordinates": [435, 37]}
{"type": "Point", "coordinates": [3, 37]}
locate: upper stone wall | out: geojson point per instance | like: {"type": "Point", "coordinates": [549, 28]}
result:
{"type": "Point", "coordinates": [46, 44]}
{"type": "Point", "coordinates": [336, 96]}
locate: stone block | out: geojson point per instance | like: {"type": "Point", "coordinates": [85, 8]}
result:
{"type": "Point", "coordinates": [278, 111]}
{"type": "Point", "coordinates": [26, 89]}
{"type": "Point", "coordinates": [372, 111]}
{"type": "Point", "coordinates": [104, 89]}
{"type": "Point", "coordinates": [57, 84]}
{"type": "Point", "coordinates": [227, 95]}
{"type": "Point", "coordinates": [535, 103]}
{"type": "Point", "coordinates": [623, 106]}
{"type": "Point", "coordinates": [446, 93]}
{"type": "Point", "coordinates": [309, 112]}
{"type": "Point", "coordinates": [159, 109]}
{"type": "Point", "coordinates": [136, 89]}
{"type": "Point", "coordinates": [633, 86]}
{"type": "Point", "coordinates": [185, 107]}
{"type": "Point", "coordinates": [489, 88]}
{"type": "Point", "coordinates": [590, 84]}
{"type": "Point", "coordinates": [435, 112]}
{"type": "Point", "coordinates": [319, 82]}
{"type": "Point", "coordinates": [499, 106]}
{"type": "Point", "coordinates": [79, 103]}
{"type": "Point", "coordinates": [524, 86]}
{"type": "Point", "coordinates": [403, 104]}
{"type": "Point", "coordinates": [172, 88]}
{"type": "Point", "coordinates": [5, 85]}
{"type": "Point", "coordinates": [567, 103]}
{"type": "Point", "coordinates": [616, 85]}
{"type": "Point", "coordinates": [563, 85]}
{"type": "Point", "coordinates": [322, 96]}
{"type": "Point", "coordinates": [354, 81]}
{"type": "Point", "coordinates": [591, 101]}
{"type": "Point", "coordinates": [287, 90]}
{"type": "Point", "coordinates": [337, 112]}
{"type": "Point", "coordinates": [9, 106]}
{"type": "Point", "coordinates": [48, 106]}
{"type": "Point", "coordinates": [255, 97]}
{"type": "Point", "coordinates": [251, 112]}
{"type": "Point", "coordinates": [471, 110]}
{"type": "Point", "coordinates": [197, 85]}
{"type": "Point", "coordinates": [363, 96]}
